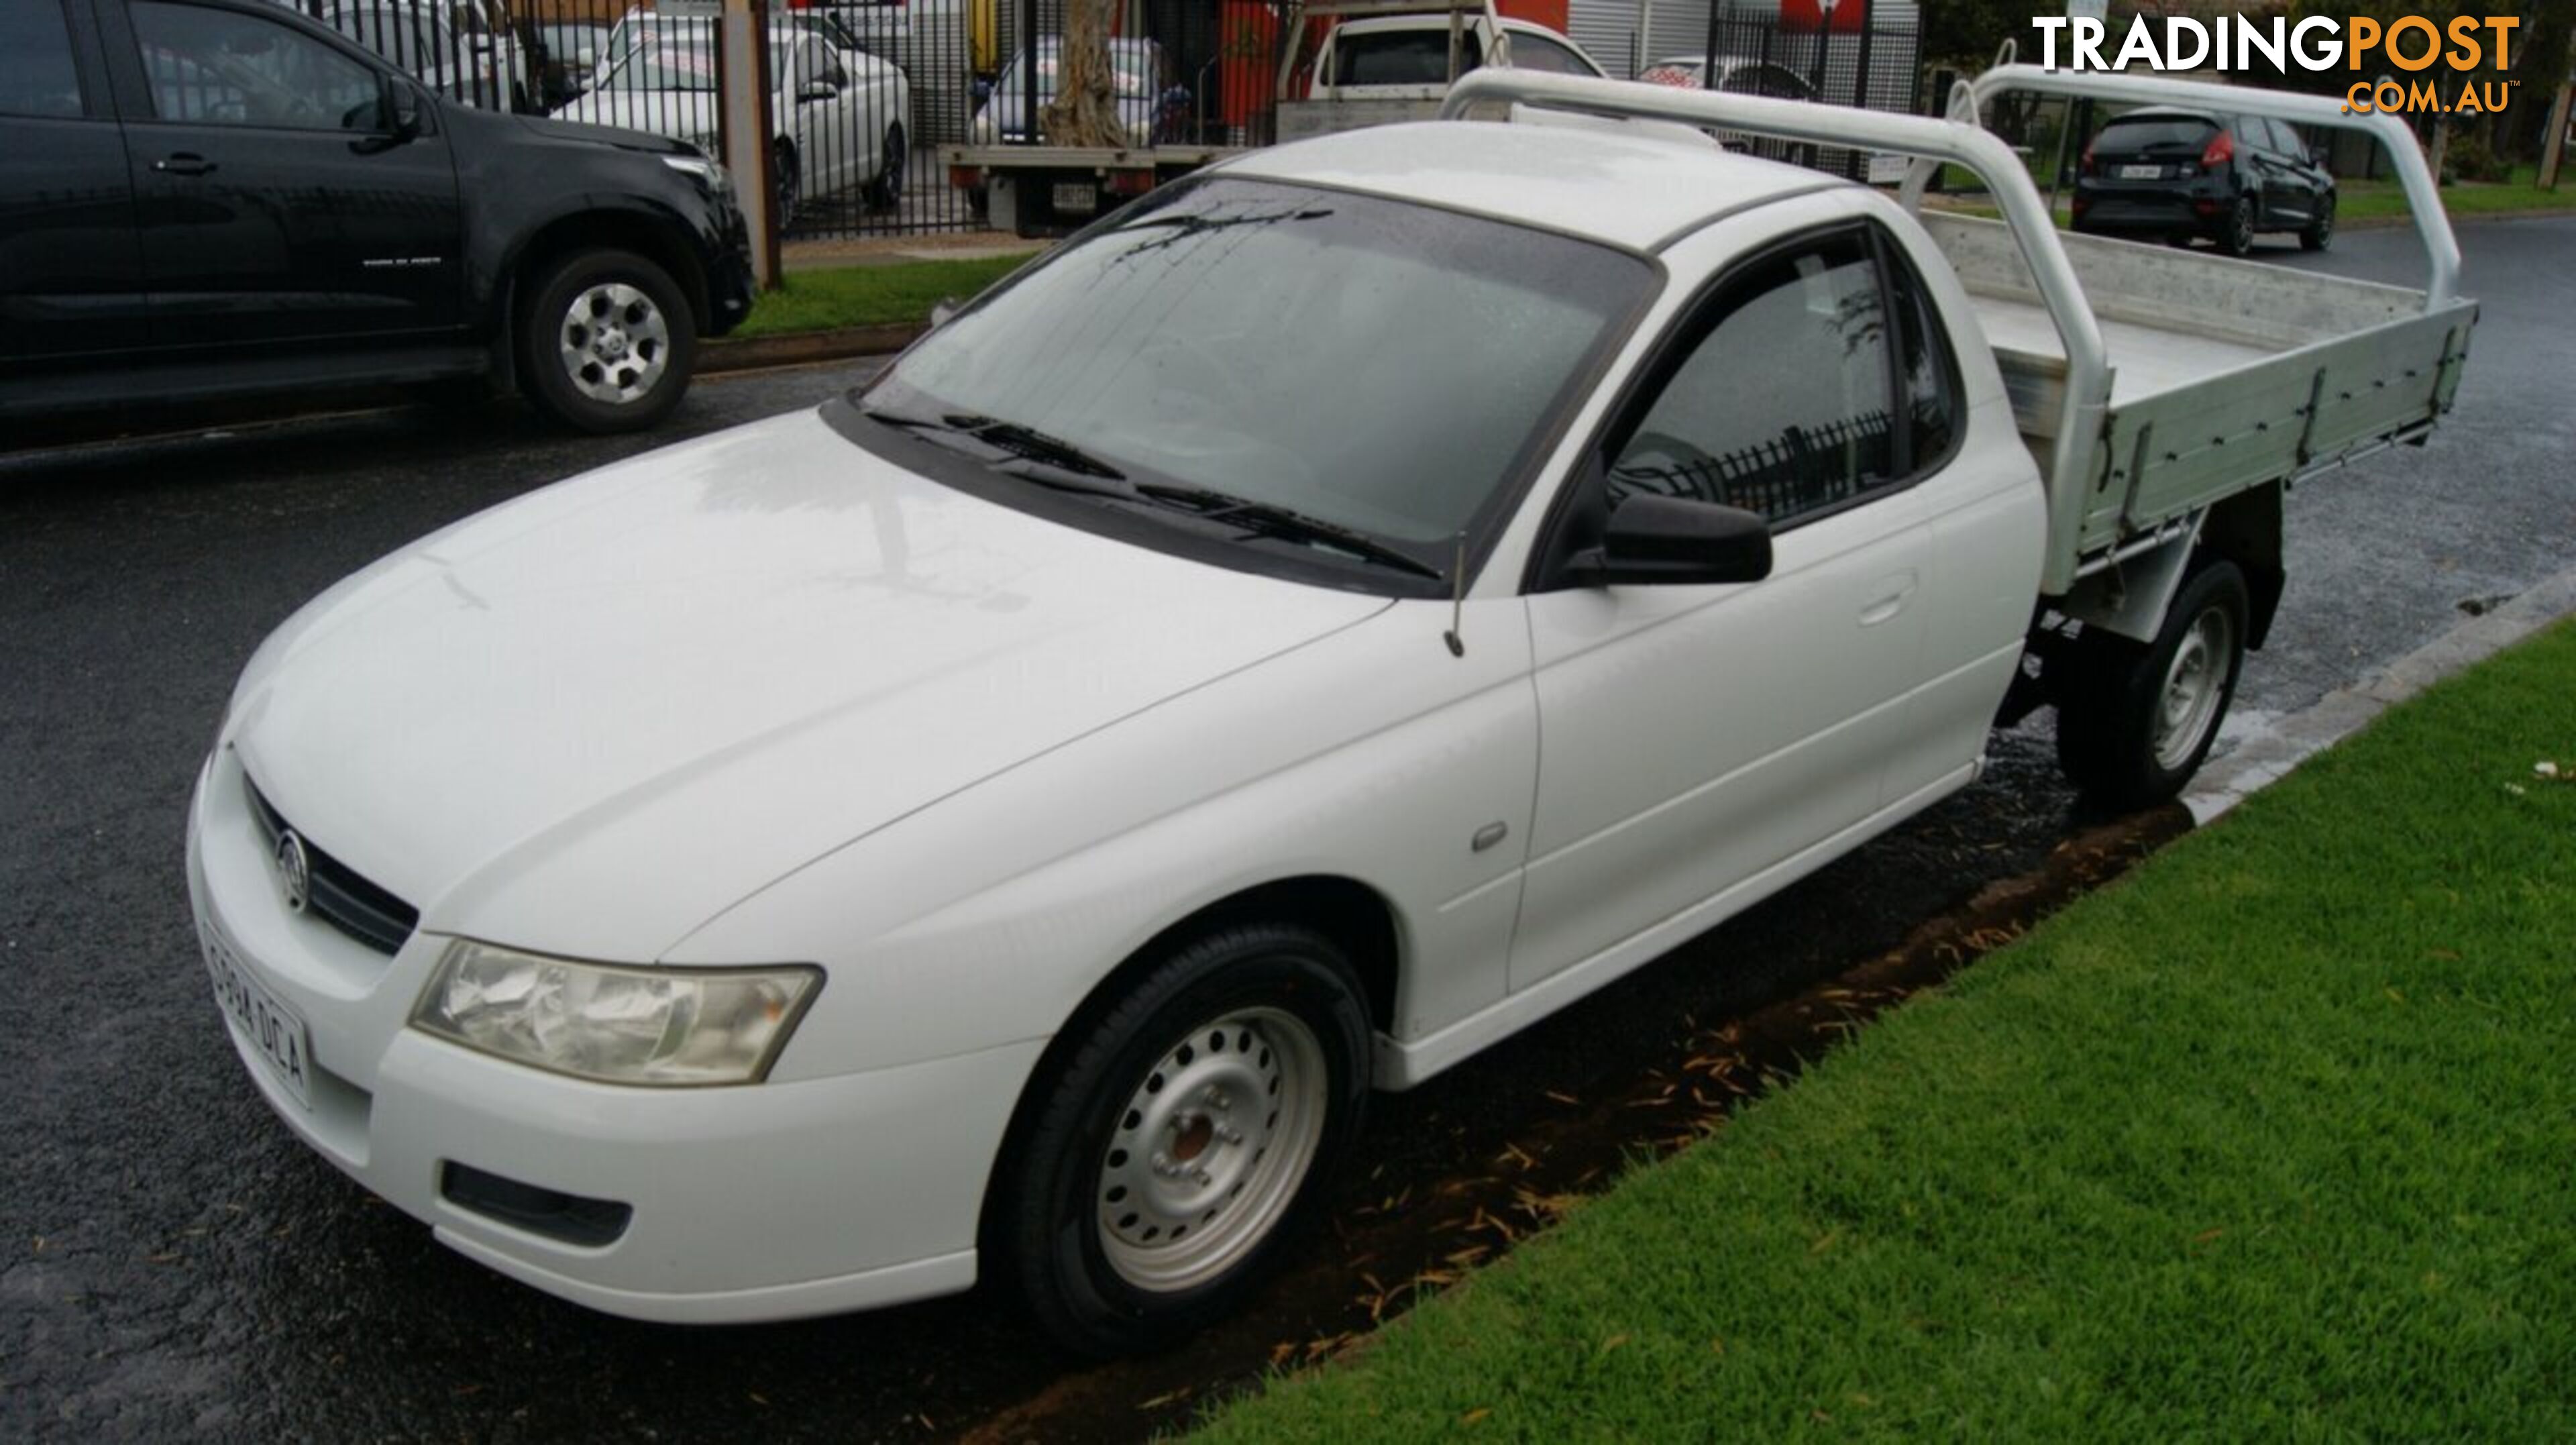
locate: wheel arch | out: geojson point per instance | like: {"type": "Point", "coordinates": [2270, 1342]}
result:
{"type": "Point", "coordinates": [1358, 918]}
{"type": "Point", "coordinates": [660, 239]}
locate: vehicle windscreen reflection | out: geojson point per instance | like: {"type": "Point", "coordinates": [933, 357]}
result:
{"type": "Point", "coordinates": [1374, 364]}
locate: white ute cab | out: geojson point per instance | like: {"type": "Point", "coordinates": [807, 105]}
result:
{"type": "Point", "coordinates": [1323, 618]}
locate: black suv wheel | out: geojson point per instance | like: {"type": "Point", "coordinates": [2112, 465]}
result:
{"type": "Point", "coordinates": [607, 342]}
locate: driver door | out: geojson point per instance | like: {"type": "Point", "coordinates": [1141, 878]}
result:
{"type": "Point", "coordinates": [272, 209]}
{"type": "Point", "coordinates": [1698, 742]}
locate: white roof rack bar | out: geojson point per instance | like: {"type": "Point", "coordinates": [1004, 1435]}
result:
{"type": "Point", "coordinates": [2088, 374]}
{"type": "Point", "coordinates": [2432, 223]}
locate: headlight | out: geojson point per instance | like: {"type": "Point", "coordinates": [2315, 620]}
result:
{"type": "Point", "coordinates": [665, 1026]}
{"type": "Point", "coordinates": [700, 169]}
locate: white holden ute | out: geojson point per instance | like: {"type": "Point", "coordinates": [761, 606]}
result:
{"type": "Point", "coordinates": [1327, 615]}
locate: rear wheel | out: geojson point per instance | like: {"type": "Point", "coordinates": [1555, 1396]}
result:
{"type": "Point", "coordinates": [1174, 1140]}
{"type": "Point", "coordinates": [2319, 232]}
{"type": "Point", "coordinates": [2134, 721]}
{"type": "Point", "coordinates": [2236, 237]}
{"type": "Point", "coordinates": [607, 342]}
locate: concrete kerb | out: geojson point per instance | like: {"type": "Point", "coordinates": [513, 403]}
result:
{"type": "Point", "coordinates": [2266, 756]}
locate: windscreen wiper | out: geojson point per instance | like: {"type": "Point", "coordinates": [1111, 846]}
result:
{"type": "Point", "coordinates": [1278, 521]}
{"type": "Point", "coordinates": [1008, 437]}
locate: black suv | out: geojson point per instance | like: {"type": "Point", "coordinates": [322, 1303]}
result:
{"type": "Point", "coordinates": [208, 199]}
{"type": "Point", "coordinates": [2184, 173]}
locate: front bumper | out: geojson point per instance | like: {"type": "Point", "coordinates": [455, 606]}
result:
{"type": "Point", "coordinates": [760, 1202]}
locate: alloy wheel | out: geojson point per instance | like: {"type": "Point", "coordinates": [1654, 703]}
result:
{"type": "Point", "coordinates": [614, 343]}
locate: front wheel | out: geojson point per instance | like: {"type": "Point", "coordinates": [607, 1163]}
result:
{"type": "Point", "coordinates": [1176, 1138]}
{"type": "Point", "coordinates": [607, 342]}
{"type": "Point", "coordinates": [2134, 722]}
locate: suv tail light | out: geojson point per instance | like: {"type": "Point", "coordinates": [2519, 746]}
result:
{"type": "Point", "coordinates": [2219, 152]}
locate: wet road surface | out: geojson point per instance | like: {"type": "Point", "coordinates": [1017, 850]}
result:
{"type": "Point", "coordinates": [176, 1266]}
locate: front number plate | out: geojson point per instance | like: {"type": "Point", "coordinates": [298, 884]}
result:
{"type": "Point", "coordinates": [1076, 198]}
{"type": "Point", "coordinates": [274, 1031]}
{"type": "Point", "coordinates": [2142, 173]}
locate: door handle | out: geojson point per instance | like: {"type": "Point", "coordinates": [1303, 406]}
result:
{"type": "Point", "coordinates": [183, 164]}
{"type": "Point", "coordinates": [1891, 600]}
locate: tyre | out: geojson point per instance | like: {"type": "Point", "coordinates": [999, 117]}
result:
{"type": "Point", "coordinates": [2319, 232]}
{"type": "Point", "coordinates": [1175, 1138]}
{"type": "Point", "coordinates": [607, 342]}
{"type": "Point", "coordinates": [886, 191]}
{"type": "Point", "coordinates": [2133, 721]}
{"type": "Point", "coordinates": [2236, 237]}
{"type": "Point", "coordinates": [790, 183]}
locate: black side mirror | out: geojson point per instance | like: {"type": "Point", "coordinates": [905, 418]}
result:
{"type": "Point", "coordinates": [397, 118]}
{"type": "Point", "coordinates": [1654, 540]}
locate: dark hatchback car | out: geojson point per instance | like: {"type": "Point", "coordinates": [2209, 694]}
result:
{"type": "Point", "coordinates": [214, 199]}
{"type": "Point", "coordinates": [2180, 174]}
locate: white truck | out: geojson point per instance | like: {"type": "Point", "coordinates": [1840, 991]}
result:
{"type": "Point", "coordinates": [1329, 616]}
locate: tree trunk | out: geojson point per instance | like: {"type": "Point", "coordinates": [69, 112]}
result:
{"type": "Point", "coordinates": [1085, 109]}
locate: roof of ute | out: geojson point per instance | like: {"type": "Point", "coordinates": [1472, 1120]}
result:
{"type": "Point", "coordinates": [1635, 187]}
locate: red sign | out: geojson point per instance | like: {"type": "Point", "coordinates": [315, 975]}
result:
{"type": "Point", "coordinates": [1843, 15]}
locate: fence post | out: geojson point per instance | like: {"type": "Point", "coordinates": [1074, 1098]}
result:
{"type": "Point", "coordinates": [743, 123]}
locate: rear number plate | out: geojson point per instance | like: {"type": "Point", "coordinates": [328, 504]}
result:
{"type": "Point", "coordinates": [1076, 198]}
{"type": "Point", "coordinates": [274, 1031]}
{"type": "Point", "coordinates": [2142, 173]}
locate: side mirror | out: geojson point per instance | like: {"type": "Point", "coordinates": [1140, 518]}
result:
{"type": "Point", "coordinates": [947, 308]}
{"type": "Point", "coordinates": [983, 91]}
{"type": "Point", "coordinates": [814, 90]}
{"type": "Point", "coordinates": [1652, 540]}
{"type": "Point", "coordinates": [397, 117]}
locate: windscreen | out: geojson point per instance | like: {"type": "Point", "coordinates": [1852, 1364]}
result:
{"type": "Point", "coordinates": [2162, 133]}
{"type": "Point", "coordinates": [1371, 362]}
{"type": "Point", "coordinates": [1400, 57]}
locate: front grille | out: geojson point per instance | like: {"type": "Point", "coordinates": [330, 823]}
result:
{"type": "Point", "coordinates": [339, 896]}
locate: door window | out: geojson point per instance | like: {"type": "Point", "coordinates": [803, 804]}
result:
{"type": "Point", "coordinates": [1535, 52]}
{"type": "Point", "coordinates": [221, 67]}
{"type": "Point", "coordinates": [417, 40]}
{"type": "Point", "coordinates": [1782, 406]}
{"type": "Point", "coordinates": [37, 76]}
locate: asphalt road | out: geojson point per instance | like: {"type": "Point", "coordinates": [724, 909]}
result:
{"type": "Point", "coordinates": [173, 1265]}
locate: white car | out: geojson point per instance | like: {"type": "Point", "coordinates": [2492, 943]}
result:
{"type": "Point", "coordinates": [838, 124]}
{"type": "Point", "coordinates": [1009, 818]}
{"type": "Point", "coordinates": [1406, 57]}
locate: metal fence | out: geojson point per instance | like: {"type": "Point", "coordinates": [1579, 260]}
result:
{"type": "Point", "coordinates": [865, 92]}
{"type": "Point", "coordinates": [861, 92]}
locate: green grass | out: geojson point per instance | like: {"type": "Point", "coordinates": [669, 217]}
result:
{"type": "Point", "coordinates": [2358, 199]}
{"type": "Point", "coordinates": [2355, 200]}
{"type": "Point", "coordinates": [2275, 1139]}
{"type": "Point", "coordinates": [870, 295]}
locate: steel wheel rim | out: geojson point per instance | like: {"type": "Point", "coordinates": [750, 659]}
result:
{"type": "Point", "coordinates": [1207, 1154]}
{"type": "Point", "coordinates": [614, 343]}
{"type": "Point", "coordinates": [2241, 231]}
{"type": "Point", "coordinates": [2187, 706]}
